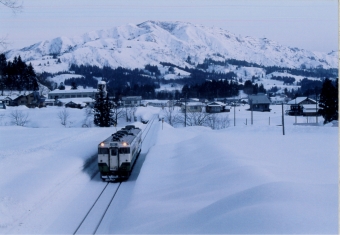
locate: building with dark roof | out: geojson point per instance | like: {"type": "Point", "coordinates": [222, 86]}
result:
{"type": "Point", "coordinates": [259, 102]}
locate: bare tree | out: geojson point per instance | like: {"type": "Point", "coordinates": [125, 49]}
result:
{"type": "Point", "coordinates": [63, 115]}
{"type": "Point", "coordinates": [218, 121]}
{"type": "Point", "coordinates": [129, 113]}
{"type": "Point", "coordinates": [197, 118]}
{"type": "Point", "coordinates": [133, 113]}
{"type": "Point", "coordinates": [3, 44]}
{"type": "Point", "coordinates": [88, 117]}
{"type": "Point", "coordinates": [14, 5]}
{"type": "Point", "coordinates": [118, 112]}
{"type": "Point", "coordinates": [171, 115]}
{"type": "Point", "coordinates": [18, 118]}
{"type": "Point", "coordinates": [193, 118]}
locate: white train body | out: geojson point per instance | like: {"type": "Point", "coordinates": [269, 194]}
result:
{"type": "Point", "coordinates": [118, 153]}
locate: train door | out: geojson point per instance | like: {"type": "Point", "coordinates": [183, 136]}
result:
{"type": "Point", "coordinates": [114, 159]}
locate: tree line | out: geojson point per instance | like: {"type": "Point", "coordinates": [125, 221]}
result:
{"type": "Point", "coordinates": [17, 75]}
{"type": "Point", "coordinates": [144, 82]}
{"type": "Point", "coordinates": [211, 89]}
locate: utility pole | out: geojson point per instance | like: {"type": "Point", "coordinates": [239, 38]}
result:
{"type": "Point", "coordinates": [235, 115]}
{"type": "Point", "coordinates": [185, 110]}
{"type": "Point", "coordinates": [316, 105]}
{"type": "Point", "coordinates": [251, 101]}
{"type": "Point", "coordinates": [295, 109]}
{"type": "Point", "coordinates": [283, 121]}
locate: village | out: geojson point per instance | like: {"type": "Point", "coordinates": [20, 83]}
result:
{"type": "Point", "coordinates": [82, 98]}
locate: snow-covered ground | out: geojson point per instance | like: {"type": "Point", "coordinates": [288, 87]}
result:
{"type": "Point", "coordinates": [170, 87]}
{"type": "Point", "coordinates": [243, 179]}
{"type": "Point", "coordinates": [61, 78]}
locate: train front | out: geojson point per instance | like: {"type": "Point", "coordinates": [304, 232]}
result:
{"type": "Point", "coordinates": [113, 160]}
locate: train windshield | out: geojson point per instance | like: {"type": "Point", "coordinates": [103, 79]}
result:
{"type": "Point", "coordinates": [114, 152]}
{"type": "Point", "coordinates": [103, 150]}
{"type": "Point", "coordinates": [124, 150]}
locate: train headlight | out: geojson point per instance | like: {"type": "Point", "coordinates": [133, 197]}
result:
{"type": "Point", "coordinates": [102, 144]}
{"type": "Point", "coordinates": [124, 143]}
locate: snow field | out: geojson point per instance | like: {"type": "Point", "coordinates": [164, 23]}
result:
{"type": "Point", "coordinates": [236, 181]}
{"type": "Point", "coordinates": [243, 179]}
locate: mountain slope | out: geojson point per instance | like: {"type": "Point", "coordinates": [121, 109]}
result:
{"type": "Point", "coordinates": [151, 42]}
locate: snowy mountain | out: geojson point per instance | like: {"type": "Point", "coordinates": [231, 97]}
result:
{"type": "Point", "coordinates": [151, 42]}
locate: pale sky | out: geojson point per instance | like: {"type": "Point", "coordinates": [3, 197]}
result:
{"type": "Point", "coordinates": [306, 24]}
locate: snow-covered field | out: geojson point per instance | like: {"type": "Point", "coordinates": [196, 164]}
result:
{"type": "Point", "coordinates": [243, 179]}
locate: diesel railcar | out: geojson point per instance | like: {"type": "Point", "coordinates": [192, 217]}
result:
{"type": "Point", "coordinates": [118, 153]}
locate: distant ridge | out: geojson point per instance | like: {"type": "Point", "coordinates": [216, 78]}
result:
{"type": "Point", "coordinates": [152, 42]}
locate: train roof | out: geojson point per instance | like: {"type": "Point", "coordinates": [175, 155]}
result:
{"type": "Point", "coordinates": [126, 134]}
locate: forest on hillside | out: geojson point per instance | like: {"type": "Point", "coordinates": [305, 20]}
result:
{"type": "Point", "coordinates": [201, 83]}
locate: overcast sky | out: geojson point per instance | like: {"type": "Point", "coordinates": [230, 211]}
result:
{"type": "Point", "coordinates": [307, 24]}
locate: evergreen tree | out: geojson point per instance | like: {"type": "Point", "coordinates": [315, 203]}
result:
{"type": "Point", "coordinates": [61, 86]}
{"type": "Point", "coordinates": [73, 86]}
{"type": "Point", "coordinates": [20, 69]}
{"type": "Point", "coordinates": [262, 89]}
{"type": "Point", "coordinates": [103, 114]}
{"type": "Point", "coordinates": [3, 65]}
{"type": "Point", "coordinates": [329, 101]}
{"type": "Point", "coordinates": [248, 87]}
{"type": "Point", "coordinates": [31, 79]}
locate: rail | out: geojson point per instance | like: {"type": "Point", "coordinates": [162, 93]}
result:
{"type": "Point", "coordinates": [93, 218]}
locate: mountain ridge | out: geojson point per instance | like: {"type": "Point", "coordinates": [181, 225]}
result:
{"type": "Point", "coordinates": [152, 42]}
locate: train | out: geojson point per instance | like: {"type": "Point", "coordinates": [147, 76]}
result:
{"type": "Point", "coordinates": [118, 153]}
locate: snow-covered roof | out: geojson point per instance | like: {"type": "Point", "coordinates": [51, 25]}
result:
{"type": "Point", "coordinates": [9, 97]}
{"type": "Point", "coordinates": [298, 100]}
{"type": "Point", "coordinates": [216, 103]}
{"type": "Point", "coordinates": [77, 100]}
{"type": "Point", "coordinates": [193, 104]}
{"type": "Point", "coordinates": [259, 98]}
{"type": "Point", "coordinates": [131, 98]}
{"type": "Point", "coordinates": [158, 101]}
{"type": "Point", "coordinates": [57, 91]}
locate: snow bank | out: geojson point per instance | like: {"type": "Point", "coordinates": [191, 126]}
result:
{"type": "Point", "coordinates": [239, 180]}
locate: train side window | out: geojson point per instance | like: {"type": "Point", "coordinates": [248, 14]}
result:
{"type": "Point", "coordinates": [114, 152]}
{"type": "Point", "coordinates": [103, 151]}
{"type": "Point", "coordinates": [124, 150]}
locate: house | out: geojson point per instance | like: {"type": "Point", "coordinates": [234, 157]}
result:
{"type": "Point", "coordinates": [191, 107]}
{"type": "Point", "coordinates": [77, 102]}
{"type": "Point", "coordinates": [31, 100]}
{"type": "Point", "coordinates": [215, 107]}
{"type": "Point", "coordinates": [159, 103]}
{"type": "Point", "coordinates": [53, 102]}
{"type": "Point", "coordinates": [310, 110]}
{"type": "Point", "coordinates": [296, 105]}
{"type": "Point", "coordinates": [259, 102]}
{"type": "Point", "coordinates": [144, 103]}
{"type": "Point", "coordinates": [72, 104]}
{"type": "Point", "coordinates": [7, 100]}
{"type": "Point", "coordinates": [131, 101]}
{"type": "Point", "coordinates": [2, 105]}
{"type": "Point", "coordinates": [204, 101]}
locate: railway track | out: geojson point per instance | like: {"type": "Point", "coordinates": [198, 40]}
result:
{"type": "Point", "coordinates": [95, 215]}
{"type": "Point", "coordinates": [93, 218]}
{"type": "Point", "coordinates": [148, 127]}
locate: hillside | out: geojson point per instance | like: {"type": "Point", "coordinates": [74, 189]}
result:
{"type": "Point", "coordinates": [152, 42]}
